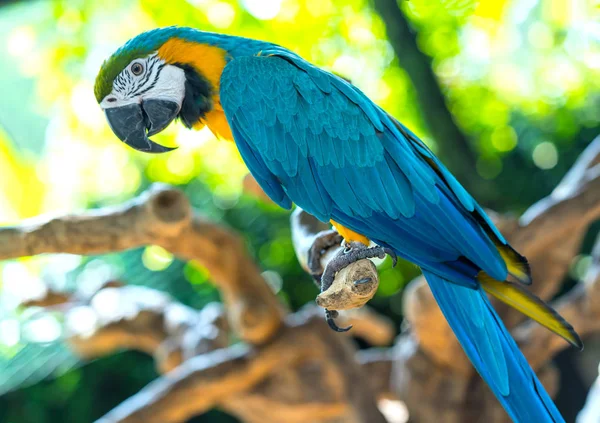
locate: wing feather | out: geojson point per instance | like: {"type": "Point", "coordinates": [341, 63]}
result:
{"type": "Point", "coordinates": [339, 156]}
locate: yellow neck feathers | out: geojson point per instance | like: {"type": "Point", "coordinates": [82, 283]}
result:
{"type": "Point", "coordinates": [209, 61]}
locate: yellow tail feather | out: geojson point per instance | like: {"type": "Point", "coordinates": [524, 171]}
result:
{"type": "Point", "coordinates": [517, 264]}
{"type": "Point", "coordinates": [519, 298]}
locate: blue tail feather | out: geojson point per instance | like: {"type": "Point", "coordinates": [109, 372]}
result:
{"type": "Point", "coordinates": [493, 351]}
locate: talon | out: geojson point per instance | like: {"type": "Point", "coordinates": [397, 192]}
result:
{"type": "Point", "coordinates": [329, 316]}
{"type": "Point", "coordinates": [362, 281]}
{"type": "Point", "coordinates": [393, 255]}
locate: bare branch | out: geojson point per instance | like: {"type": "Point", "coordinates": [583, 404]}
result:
{"type": "Point", "coordinates": [160, 216]}
{"type": "Point", "coordinates": [377, 365]}
{"type": "Point", "coordinates": [575, 203]}
{"type": "Point", "coordinates": [194, 387]}
{"type": "Point", "coordinates": [581, 308]}
{"type": "Point", "coordinates": [142, 319]}
{"type": "Point", "coordinates": [431, 330]}
{"type": "Point", "coordinates": [237, 377]}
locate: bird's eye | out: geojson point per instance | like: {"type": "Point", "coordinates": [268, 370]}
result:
{"type": "Point", "coordinates": [137, 69]}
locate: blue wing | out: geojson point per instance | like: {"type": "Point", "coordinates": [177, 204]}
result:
{"type": "Point", "coordinates": [310, 137]}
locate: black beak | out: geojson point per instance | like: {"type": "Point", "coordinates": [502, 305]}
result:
{"type": "Point", "coordinates": [134, 123]}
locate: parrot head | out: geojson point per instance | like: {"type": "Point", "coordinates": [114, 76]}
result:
{"type": "Point", "coordinates": [154, 78]}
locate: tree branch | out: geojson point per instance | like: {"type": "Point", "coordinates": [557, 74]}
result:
{"type": "Point", "coordinates": [322, 381]}
{"type": "Point", "coordinates": [371, 326]}
{"type": "Point", "coordinates": [246, 381]}
{"type": "Point", "coordinates": [160, 216]}
{"type": "Point", "coordinates": [581, 308]}
{"type": "Point", "coordinates": [192, 388]}
{"type": "Point", "coordinates": [551, 231]}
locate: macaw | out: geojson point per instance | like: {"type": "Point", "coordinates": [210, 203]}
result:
{"type": "Point", "coordinates": [311, 138]}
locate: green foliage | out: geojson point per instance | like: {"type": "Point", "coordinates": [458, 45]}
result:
{"type": "Point", "coordinates": [522, 79]}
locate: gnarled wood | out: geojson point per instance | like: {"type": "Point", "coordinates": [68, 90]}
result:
{"type": "Point", "coordinates": [161, 216]}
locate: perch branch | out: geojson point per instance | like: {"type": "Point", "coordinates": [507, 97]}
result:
{"type": "Point", "coordinates": [377, 364]}
{"type": "Point", "coordinates": [575, 203]}
{"type": "Point", "coordinates": [118, 317]}
{"type": "Point", "coordinates": [160, 216]}
{"type": "Point", "coordinates": [550, 232]}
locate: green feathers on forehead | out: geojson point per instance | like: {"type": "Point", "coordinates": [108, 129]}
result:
{"type": "Point", "coordinates": [148, 42]}
{"type": "Point", "coordinates": [138, 47]}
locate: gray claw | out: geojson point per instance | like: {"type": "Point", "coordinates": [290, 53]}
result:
{"type": "Point", "coordinates": [329, 316]}
{"type": "Point", "coordinates": [392, 254]}
{"type": "Point", "coordinates": [323, 241]}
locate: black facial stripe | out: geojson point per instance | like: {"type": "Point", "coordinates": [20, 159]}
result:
{"type": "Point", "coordinates": [145, 90]}
{"type": "Point", "coordinates": [153, 84]}
{"type": "Point", "coordinates": [130, 85]}
{"type": "Point", "coordinates": [148, 74]}
{"type": "Point", "coordinates": [119, 82]}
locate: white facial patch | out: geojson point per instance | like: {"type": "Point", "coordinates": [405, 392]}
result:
{"type": "Point", "coordinates": [146, 78]}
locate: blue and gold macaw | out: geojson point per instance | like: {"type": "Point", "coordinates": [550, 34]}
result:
{"type": "Point", "coordinates": [311, 138]}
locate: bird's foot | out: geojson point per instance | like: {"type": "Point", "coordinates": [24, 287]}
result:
{"type": "Point", "coordinates": [352, 253]}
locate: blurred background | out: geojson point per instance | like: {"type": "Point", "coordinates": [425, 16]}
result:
{"type": "Point", "coordinates": [520, 78]}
